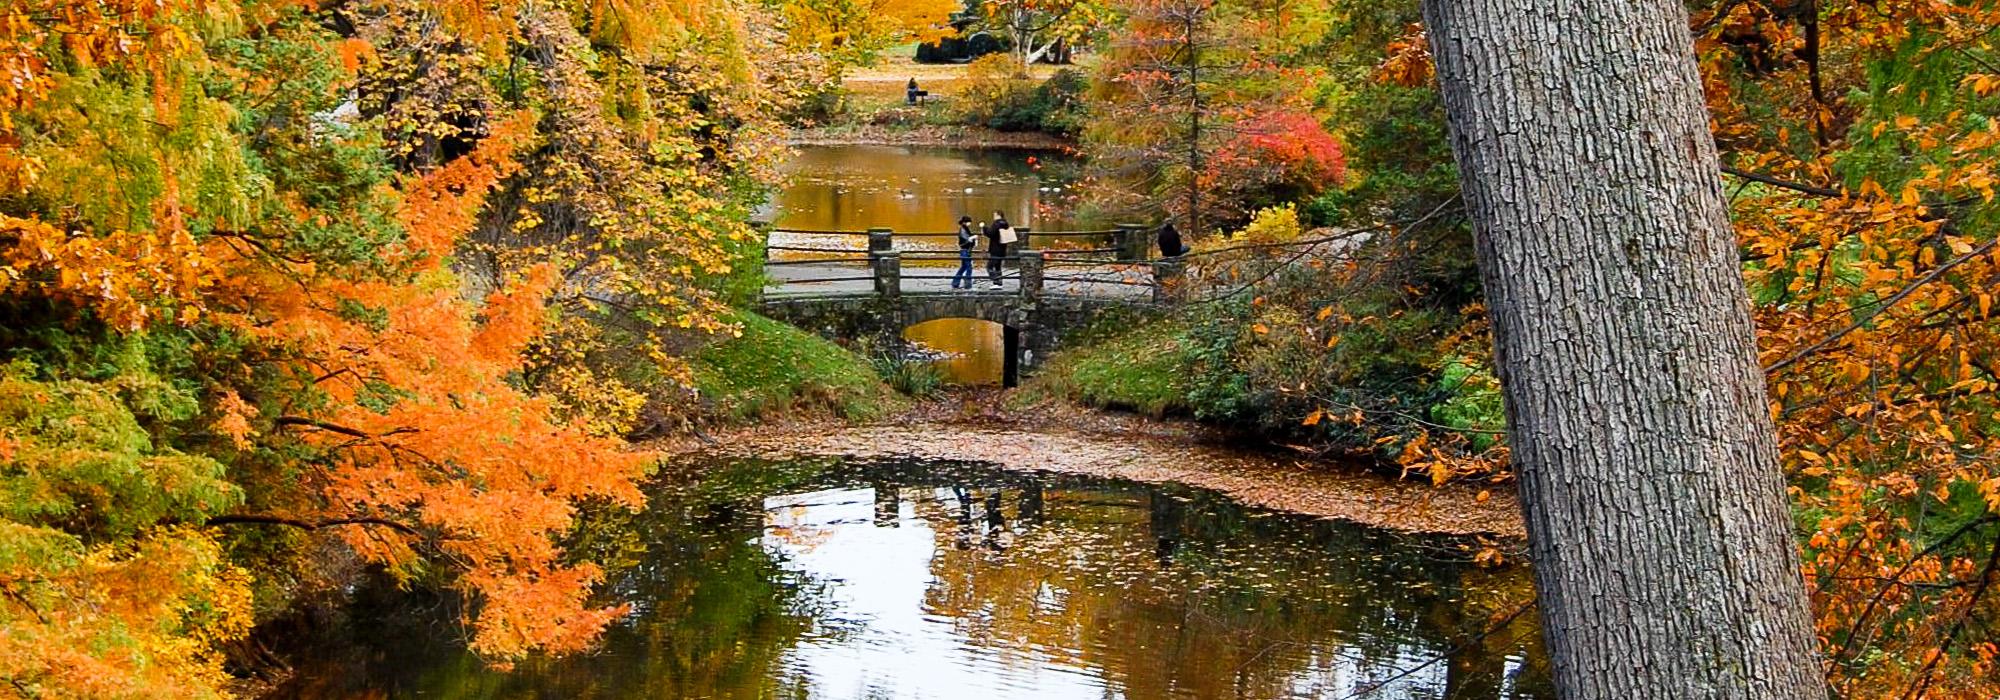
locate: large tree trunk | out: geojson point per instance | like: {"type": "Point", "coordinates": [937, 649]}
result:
{"type": "Point", "coordinates": [1663, 552]}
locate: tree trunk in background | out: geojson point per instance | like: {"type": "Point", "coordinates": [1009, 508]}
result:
{"type": "Point", "coordinates": [1663, 551]}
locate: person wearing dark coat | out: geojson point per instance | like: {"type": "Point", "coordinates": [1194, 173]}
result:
{"type": "Point", "coordinates": [1170, 242]}
{"type": "Point", "coordinates": [996, 251]}
{"type": "Point", "coordinates": [967, 240]}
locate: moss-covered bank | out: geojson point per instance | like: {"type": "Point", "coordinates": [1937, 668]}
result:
{"type": "Point", "coordinates": [774, 369]}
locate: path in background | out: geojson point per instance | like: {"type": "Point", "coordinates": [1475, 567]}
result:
{"type": "Point", "coordinates": [882, 84]}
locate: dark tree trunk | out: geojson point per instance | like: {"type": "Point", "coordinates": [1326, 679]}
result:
{"type": "Point", "coordinates": [1663, 551]}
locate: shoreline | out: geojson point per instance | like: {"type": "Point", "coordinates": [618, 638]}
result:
{"type": "Point", "coordinates": [926, 135]}
{"type": "Point", "coordinates": [1138, 449]}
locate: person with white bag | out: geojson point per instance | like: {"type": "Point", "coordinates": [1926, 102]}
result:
{"type": "Point", "coordinates": [999, 235]}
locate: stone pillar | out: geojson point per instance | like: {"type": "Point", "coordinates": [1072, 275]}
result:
{"type": "Point", "coordinates": [1031, 276]}
{"type": "Point", "coordinates": [1023, 237]}
{"type": "Point", "coordinates": [1010, 363]}
{"type": "Point", "coordinates": [1131, 242]}
{"type": "Point", "coordinates": [888, 273]}
{"type": "Point", "coordinates": [763, 230]}
{"type": "Point", "coordinates": [1166, 280]}
{"type": "Point", "coordinates": [881, 240]}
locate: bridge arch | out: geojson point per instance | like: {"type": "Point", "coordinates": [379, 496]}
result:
{"type": "Point", "coordinates": [1031, 326]}
{"type": "Point", "coordinates": [963, 306]}
{"type": "Point", "coordinates": [1008, 313]}
{"type": "Point", "coordinates": [985, 350]}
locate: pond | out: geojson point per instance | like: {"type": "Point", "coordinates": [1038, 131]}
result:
{"type": "Point", "coordinates": [912, 188]}
{"type": "Point", "coordinates": [826, 578]}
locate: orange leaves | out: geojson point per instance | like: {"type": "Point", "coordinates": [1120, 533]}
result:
{"type": "Point", "coordinates": [1874, 308]}
{"type": "Point", "coordinates": [355, 52]}
{"type": "Point", "coordinates": [129, 278]}
{"type": "Point", "coordinates": [209, 180]}
{"type": "Point", "coordinates": [234, 419]}
{"type": "Point", "coordinates": [1408, 61]}
{"type": "Point", "coordinates": [1983, 84]}
{"type": "Point", "coordinates": [38, 38]}
{"type": "Point", "coordinates": [441, 206]}
{"type": "Point", "coordinates": [514, 316]}
{"type": "Point", "coordinates": [421, 424]}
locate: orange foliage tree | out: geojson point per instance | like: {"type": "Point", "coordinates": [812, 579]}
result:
{"type": "Point", "coordinates": [1861, 142]}
{"type": "Point", "coordinates": [240, 334]}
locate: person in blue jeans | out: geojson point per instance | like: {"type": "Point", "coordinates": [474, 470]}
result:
{"type": "Point", "coordinates": [967, 240]}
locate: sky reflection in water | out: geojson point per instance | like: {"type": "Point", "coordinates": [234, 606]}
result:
{"type": "Point", "coordinates": [830, 579]}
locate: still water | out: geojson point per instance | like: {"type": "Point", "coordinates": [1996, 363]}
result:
{"type": "Point", "coordinates": [913, 188]}
{"type": "Point", "coordinates": [965, 350]}
{"type": "Point", "coordinates": [840, 579]}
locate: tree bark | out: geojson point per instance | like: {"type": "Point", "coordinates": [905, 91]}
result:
{"type": "Point", "coordinates": [1663, 550]}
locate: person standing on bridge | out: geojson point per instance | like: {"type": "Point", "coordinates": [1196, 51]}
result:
{"type": "Point", "coordinates": [967, 240]}
{"type": "Point", "coordinates": [999, 234]}
{"type": "Point", "coordinates": [1170, 242]}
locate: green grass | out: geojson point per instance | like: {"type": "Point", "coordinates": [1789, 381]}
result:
{"type": "Point", "coordinates": [777, 369]}
{"type": "Point", "coordinates": [1142, 370]}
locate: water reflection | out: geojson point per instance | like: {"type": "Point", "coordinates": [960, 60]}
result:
{"type": "Point", "coordinates": [968, 351]}
{"type": "Point", "coordinates": [912, 580]}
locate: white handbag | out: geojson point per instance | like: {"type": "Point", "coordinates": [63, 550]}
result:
{"type": "Point", "coordinates": [1007, 236]}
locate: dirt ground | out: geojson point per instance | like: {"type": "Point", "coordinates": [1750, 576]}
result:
{"type": "Point", "coordinates": [1062, 438]}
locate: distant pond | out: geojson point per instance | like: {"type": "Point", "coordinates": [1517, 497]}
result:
{"type": "Point", "coordinates": [914, 188]}
{"type": "Point", "coordinates": [840, 579]}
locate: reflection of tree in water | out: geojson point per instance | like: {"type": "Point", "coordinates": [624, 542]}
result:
{"type": "Point", "coordinates": [1175, 593]}
{"type": "Point", "coordinates": [712, 613]}
{"type": "Point", "coordinates": [1161, 592]}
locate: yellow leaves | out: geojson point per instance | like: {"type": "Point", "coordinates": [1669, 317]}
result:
{"type": "Point", "coordinates": [145, 620]}
{"type": "Point", "coordinates": [1983, 84]}
{"type": "Point", "coordinates": [849, 31]}
{"type": "Point", "coordinates": [1314, 417]}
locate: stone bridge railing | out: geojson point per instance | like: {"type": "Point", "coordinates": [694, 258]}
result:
{"type": "Point", "coordinates": [1118, 270]}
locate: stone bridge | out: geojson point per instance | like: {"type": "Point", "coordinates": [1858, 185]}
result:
{"type": "Point", "coordinates": [1044, 293]}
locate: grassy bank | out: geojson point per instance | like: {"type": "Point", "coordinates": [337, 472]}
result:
{"type": "Point", "coordinates": [1391, 377]}
{"type": "Point", "coordinates": [775, 369]}
{"type": "Point", "coordinates": [1140, 371]}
